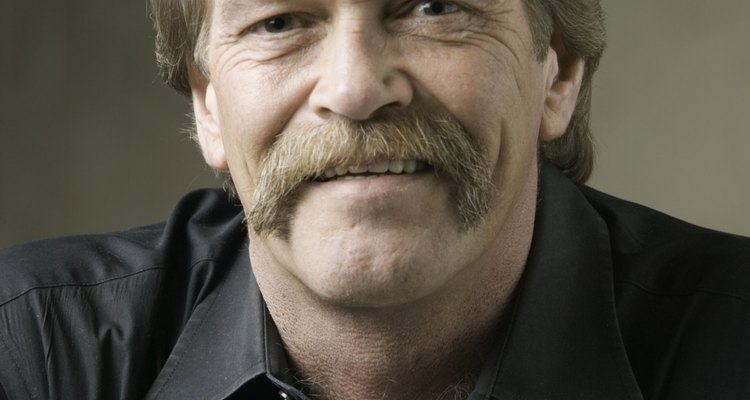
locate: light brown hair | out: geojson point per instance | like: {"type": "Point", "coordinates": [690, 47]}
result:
{"type": "Point", "coordinates": [181, 30]}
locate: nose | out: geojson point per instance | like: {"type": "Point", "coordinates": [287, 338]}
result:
{"type": "Point", "coordinates": [358, 75]}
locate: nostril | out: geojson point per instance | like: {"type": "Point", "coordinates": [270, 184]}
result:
{"type": "Point", "coordinates": [356, 86]}
{"type": "Point", "coordinates": [355, 102]}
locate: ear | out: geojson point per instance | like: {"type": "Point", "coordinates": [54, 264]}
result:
{"type": "Point", "coordinates": [563, 77]}
{"type": "Point", "coordinates": [208, 131]}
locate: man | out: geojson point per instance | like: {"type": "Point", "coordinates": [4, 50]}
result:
{"type": "Point", "coordinates": [409, 175]}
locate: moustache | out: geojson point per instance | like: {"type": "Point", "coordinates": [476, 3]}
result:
{"type": "Point", "coordinates": [304, 153]}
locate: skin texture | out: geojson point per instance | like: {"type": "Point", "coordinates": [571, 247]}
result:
{"type": "Point", "coordinates": [376, 274]}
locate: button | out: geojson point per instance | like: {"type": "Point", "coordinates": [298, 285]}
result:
{"type": "Point", "coordinates": [284, 395]}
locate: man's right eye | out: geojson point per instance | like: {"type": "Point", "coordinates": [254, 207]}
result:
{"type": "Point", "coordinates": [278, 24]}
{"type": "Point", "coordinates": [436, 8]}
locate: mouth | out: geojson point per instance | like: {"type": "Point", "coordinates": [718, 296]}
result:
{"type": "Point", "coordinates": [385, 167]}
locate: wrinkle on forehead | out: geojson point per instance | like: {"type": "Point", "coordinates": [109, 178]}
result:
{"type": "Point", "coordinates": [229, 8]}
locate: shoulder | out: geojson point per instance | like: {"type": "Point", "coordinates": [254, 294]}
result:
{"type": "Point", "coordinates": [87, 260]}
{"type": "Point", "coordinates": [78, 260]}
{"type": "Point", "coordinates": [78, 308]}
{"type": "Point", "coordinates": [683, 301]}
{"type": "Point", "coordinates": [667, 255]}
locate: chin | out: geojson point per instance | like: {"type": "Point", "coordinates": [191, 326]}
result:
{"type": "Point", "coordinates": [381, 269]}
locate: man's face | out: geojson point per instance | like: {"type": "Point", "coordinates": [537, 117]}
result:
{"type": "Point", "coordinates": [365, 223]}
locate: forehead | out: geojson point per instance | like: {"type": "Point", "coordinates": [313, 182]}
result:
{"type": "Point", "coordinates": [230, 8]}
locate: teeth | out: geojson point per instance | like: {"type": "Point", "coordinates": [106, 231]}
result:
{"type": "Point", "coordinates": [379, 168]}
{"type": "Point", "coordinates": [358, 169]}
{"type": "Point", "coordinates": [395, 167]}
{"type": "Point", "coordinates": [341, 170]}
{"type": "Point", "coordinates": [410, 166]}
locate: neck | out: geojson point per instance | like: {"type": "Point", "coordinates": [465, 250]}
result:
{"type": "Point", "coordinates": [364, 357]}
{"type": "Point", "coordinates": [431, 348]}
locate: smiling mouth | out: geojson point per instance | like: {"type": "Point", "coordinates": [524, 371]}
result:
{"type": "Point", "coordinates": [386, 167]}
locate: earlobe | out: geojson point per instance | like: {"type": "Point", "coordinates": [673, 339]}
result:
{"type": "Point", "coordinates": [208, 131]}
{"type": "Point", "coordinates": [563, 77]}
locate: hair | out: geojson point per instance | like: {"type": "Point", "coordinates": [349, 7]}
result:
{"type": "Point", "coordinates": [579, 24]}
{"type": "Point", "coordinates": [181, 39]}
{"type": "Point", "coordinates": [182, 29]}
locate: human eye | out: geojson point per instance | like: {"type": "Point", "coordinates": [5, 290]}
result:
{"type": "Point", "coordinates": [435, 8]}
{"type": "Point", "coordinates": [277, 24]}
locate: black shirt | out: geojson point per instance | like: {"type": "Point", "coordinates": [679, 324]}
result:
{"type": "Point", "coordinates": [617, 302]}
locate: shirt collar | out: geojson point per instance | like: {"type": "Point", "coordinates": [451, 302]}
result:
{"type": "Point", "coordinates": [562, 340]}
{"type": "Point", "coordinates": [222, 346]}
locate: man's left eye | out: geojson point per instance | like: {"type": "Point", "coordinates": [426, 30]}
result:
{"type": "Point", "coordinates": [436, 8]}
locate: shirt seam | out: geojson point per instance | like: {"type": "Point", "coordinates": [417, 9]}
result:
{"type": "Point", "coordinates": [685, 294]}
{"type": "Point", "coordinates": [79, 284]}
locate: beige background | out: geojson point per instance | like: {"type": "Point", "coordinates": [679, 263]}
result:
{"type": "Point", "coordinates": [90, 138]}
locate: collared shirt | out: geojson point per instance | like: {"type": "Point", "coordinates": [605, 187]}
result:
{"type": "Point", "coordinates": [616, 302]}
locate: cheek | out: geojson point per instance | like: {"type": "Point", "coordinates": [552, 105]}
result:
{"type": "Point", "coordinates": [254, 107]}
{"type": "Point", "coordinates": [494, 99]}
